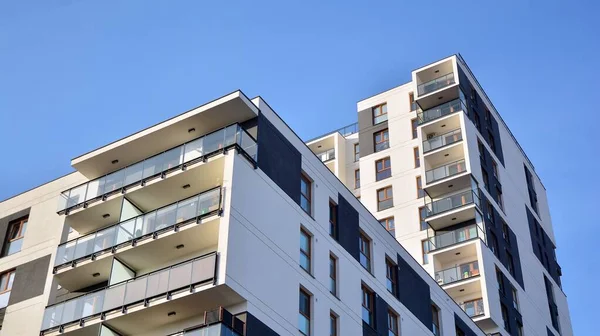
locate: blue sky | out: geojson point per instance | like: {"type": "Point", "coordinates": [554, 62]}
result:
{"type": "Point", "coordinates": [77, 74]}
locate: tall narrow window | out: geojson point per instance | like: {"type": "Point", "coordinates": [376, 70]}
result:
{"type": "Point", "coordinates": [305, 250]}
{"type": "Point", "coordinates": [515, 298]}
{"type": "Point", "coordinates": [380, 113]}
{"type": "Point", "coordinates": [305, 193]}
{"type": "Point", "coordinates": [505, 317]}
{"type": "Point", "coordinates": [382, 140]}
{"type": "Point", "coordinates": [6, 282]}
{"type": "Point", "coordinates": [425, 249]}
{"type": "Point", "coordinates": [491, 141]}
{"type": "Point", "coordinates": [500, 280]}
{"type": "Point", "coordinates": [391, 276]}
{"type": "Point", "coordinates": [481, 151]}
{"type": "Point", "coordinates": [357, 179]}
{"type": "Point", "coordinates": [411, 100]}
{"type": "Point", "coordinates": [365, 251]}
{"type": "Point", "coordinates": [494, 244]}
{"type": "Point", "coordinates": [417, 157]}
{"type": "Point", "coordinates": [367, 305]}
{"type": "Point", "coordinates": [510, 264]}
{"type": "Point", "coordinates": [499, 198]}
{"type": "Point", "coordinates": [333, 219]}
{"type": "Point", "coordinates": [385, 198]}
{"type": "Point", "coordinates": [333, 324]}
{"type": "Point", "coordinates": [356, 152]}
{"type": "Point", "coordinates": [304, 313]}
{"type": "Point", "coordinates": [435, 311]}
{"type": "Point", "coordinates": [413, 125]}
{"type": "Point", "coordinates": [495, 170]}
{"type": "Point", "coordinates": [519, 329]}
{"type": "Point", "coordinates": [422, 216]}
{"type": "Point", "coordinates": [383, 169]}
{"type": "Point", "coordinates": [486, 181]}
{"type": "Point", "coordinates": [505, 232]}
{"type": "Point", "coordinates": [389, 225]}
{"type": "Point", "coordinates": [420, 191]}
{"type": "Point", "coordinates": [488, 117]}
{"type": "Point", "coordinates": [392, 323]}
{"type": "Point", "coordinates": [14, 239]}
{"type": "Point", "coordinates": [333, 274]}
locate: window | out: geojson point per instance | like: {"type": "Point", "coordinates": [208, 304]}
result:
{"type": "Point", "coordinates": [357, 179]}
{"type": "Point", "coordinates": [413, 125]}
{"type": "Point", "coordinates": [367, 306]}
{"type": "Point", "coordinates": [380, 113]}
{"type": "Point", "coordinates": [459, 332]}
{"type": "Point", "coordinates": [305, 193]}
{"type": "Point", "coordinates": [333, 274]}
{"type": "Point", "coordinates": [495, 170]}
{"type": "Point", "coordinates": [333, 324]}
{"type": "Point", "coordinates": [411, 99]}
{"type": "Point", "coordinates": [488, 117]}
{"type": "Point", "coordinates": [500, 279]}
{"type": "Point", "coordinates": [356, 152]}
{"type": "Point", "coordinates": [510, 264]}
{"type": "Point", "coordinates": [333, 219]}
{"type": "Point", "coordinates": [486, 181]}
{"type": "Point", "coordinates": [382, 140]}
{"type": "Point", "coordinates": [505, 317]}
{"type": "Point", "coordinates": [365, 251]}
{"type": "Point", "coordinates": [417, 157]}
{"type": "Point", "coordinates": [385, 199]}
{"type": "Point", "coordinates": [519, 329]}
{"type": "Point", "coordinates": [304, 313]}
{"type": "Point", "coordinates": [392, 323]}
{"type": "Point", "coordinates": [490, 212]}
{"type": "Point", "coordinates": [420, 191]}
{"type": "Point", "coordinates": [422, 216]}
{"type": "Point", "coordinates": [506, 232]}
{"type": "Point", "coordinates": [494, 244]}
{"type": "Point", "coordinates": [435, 311]}
{"type": "Point", "coordinates": [515, 298]}
{"type": "Point", "coordinates": [388, 224]}
{"type": "Point", "coordinates": [481, 151]}
{"type": "Point", "coordinates": [499, 198]}
{"type": "Point", "coordinates": [391, 275]}
{"type": "Point", "coordinates": [425, 249]}
{"type": "Point", "coordinates": [16, 233]}
{"type": "Point", "coordinates": [491, 141]}
{"type": "Point", "coordinates": [6, 282]}
{"type": "Point", "coordinates": [305, 250]}
{"type": "Point", "coordinates": [383, 169]}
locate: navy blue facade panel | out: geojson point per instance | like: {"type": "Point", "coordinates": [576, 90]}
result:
{"type": "Point", "coordinates": [550, 333]}
{"type": "Point", "coordinates": [462, 326]}
{"type": "Point", "coordinates": [543, 248]}
{"type": "Point", "coordinates": [506, 298]}
{"type": "Point", "coordinates": [367, 330]}
{"type": "Point", "coordinates": [381, 316]}
{"type": "Point", "coordinates": [279, 159]}
{"type": "Point", "coordinates": [255, 327]}
{"type": "Point", "coordinates": [348, 227]}
{"type": "Point", "coordinates": [414, 293]}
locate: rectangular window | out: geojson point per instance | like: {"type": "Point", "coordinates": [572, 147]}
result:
{"type": "Point", "coordinates": [357, 179]}
{"type": "Point", "coordinates": [389, 225]}
{"type": "Point", "coordinates": [333, 219]}
{"type": "Point", "coordinates": [494, 244]}
{"type": "Point", "coordinates": [411, 99]}
{"type": "Point", "coordinates": [14, 239]}
{"type": "Point", "coordinates": [356, 152]}
{"type": "Point", "coordinates": [305, 193]}
{"type": "Point", "coordinates": [500, 280]}
{"type": "Point", "coordinates": [499, 198]}
{"type": "Point", "coordinates": [510, 264]}
{"type": "Point", "coordinates": [486, 181]}
{"type": "Point", "coordinates": [420, 191]}
{"type": "Point", "coordinates": [422, 216]}
{"type": "Point", "coordinates": [495, 170]}
{"type": "Point", "coordinates": [413, 125]}
{"type": "Point", "coordinates": [435, 311]}
{"type": "Point", "coordinates": [491, 141]}
{"type": "Point", "coordinates": [515, 298]}
{"type": "Point", "coordinates": [505, 232]}
{"type": "Point", "coordinates": [392, 323]}
{"type": "Point", "coordinates": [481, 151]}
{"type": "Point", "coordinates": [417, 157]}
{"type": "Point", "coordinates": [304, 313]}
{"type": "Point", "coordinates": [379, 113]}
{"type": "Point", "coordinates": [391, 277]}
{"type": "Point", "coordinates": [425, 249]}
{"type": "Point", "coordinates": [382, 140]}
{"type": "Point", "coordinates": [367, 306]}
{"type": "Point", "coordinates": [385, 199]}
{"type": "Point", "coordinates": [488, 117]}
{"type": "Point", "coordinates": [383, 169]}
{"type": "Point", "coordinates": [519, 329]}
{"type": "Point", "coordinates": [490, 212]}
{"type": "Point", "coordinates": [333, 324]}
{"type": "Point", "coordinates": [365, 251]}
{"type": "Point", "coordinates": [305, 250]}
{"type": "Point", "coordinates": [333, 274]}
{"type": "Point", "coordinates": [505, 317]}
{"type": "Point", "coordinates": [6, 282]}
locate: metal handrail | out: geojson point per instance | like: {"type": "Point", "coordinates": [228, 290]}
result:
{"type": "Point", "coordinates": [441, 110]}
{"type": "Point", "coordinates": [451, 202]}
{"type": "Point", "coordinates": [446, 170]}
{"type": "Point", "coordinates": [436, 84]}
{"type": "Point", "coordinates": [442, 140]}
{"type": "Point", "coordinates": [344, 131]}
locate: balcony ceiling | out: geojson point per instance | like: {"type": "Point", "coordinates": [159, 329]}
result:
{"type": "Point", "coordinates": [232, 108]}
{"type": "Point", "coordinates": [326, 143]}
{"type": "Point", "coordinates": [448, 260]}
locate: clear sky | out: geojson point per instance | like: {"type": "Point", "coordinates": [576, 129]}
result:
{"type": "Point", "coordinates": [77, 74]}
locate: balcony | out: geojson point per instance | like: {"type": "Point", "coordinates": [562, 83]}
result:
{"type": "Point", "coordinates": [436, 84]}
{"type": "Point", "coordinates": [457, 273]}
{"type": "Point", "coordinates": [217, 322]}
{"type": "Point", "coordinates": [445, 171]}
{"type": "Point", "coordinates": [473, 308]}
{"type": "Point", "coordinates": [439, 111]}
{"type": "Point", "coordinates": [457, 236]}
{"type": "Point", "coordinates": [443, 140]}
{"type": "Point", "coordinates": [327, 155]}
{"type": "Point", "coordinates": [452, 202]}
{"type": "Point", "coordinates": [137, 294]}
{"type": "Point", "coordinates": [159, 167]}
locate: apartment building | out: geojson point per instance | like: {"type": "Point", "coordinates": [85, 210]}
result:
{"type": "Point", "coordinates": [218, 221]}
{"type": "Point", "coordinates": [435, 163]}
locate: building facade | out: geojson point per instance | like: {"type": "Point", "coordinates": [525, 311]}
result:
{"type": "Point", "coordinates": [435, 163]}
{"type": "Point", "coordinates": [219, 221]}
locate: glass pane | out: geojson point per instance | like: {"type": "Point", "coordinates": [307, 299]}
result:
{"type": "Point", "coordinates": [125, 232]}
{"type": "Point", "coordinates": [133, 173]}
{"type": "Point", "coordinates": [303, 324]}
{"type": "Point", "coordinates": [203, 269]}
{"type": "Point", "coordinates": [172, 158]}
{"type": "Point", "coordinates": [165, 217]}
{"type": "Point", "coordinates": [230, 135]}
{"type": "Point", "coordinates": [186, 210]}
{"type": "Point", "coordinates": [157, 284]}
{"type": "Point", "coordinates": [114, 181]}
{"type": "Point", "coordinates": [14, 246]}
{"type": "Point", "coordinates": [305, 262]}
{"type": "Point", "coordinates": [114, 297]}
{"type": "Point", "coordinates": [193, 150]}
{"type": "Point", "coordinates": [152, 166]}
{"type": "Point", "coordinates": [85, 246]}
{"type": "Point", "coordinates": [95, 188]}
{"type": "Point", "coordinates": [149, 223]}
{"type": "Point", "coordinates": [136, 290]}
{"type": "Point", "coordinates": [92, 304]}
{"type": "Point", "coordinates": [304, 242]}
{"type": "Point", "coordinates": [105, 239]}
{"type": "Point", "coordinates": [208, 202]}
{"type": "Point", "coordinates": [180, 276]}
{"type": "Point", "coordinates": [213, 142]}
{"type": "Point", "coordinates": [77, 195]}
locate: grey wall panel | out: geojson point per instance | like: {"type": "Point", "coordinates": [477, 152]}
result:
{"type": "Point", "coordinates": [30, 279]}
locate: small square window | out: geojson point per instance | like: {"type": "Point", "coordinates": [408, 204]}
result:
{"type": "Point", "coordinates": [385, 198]}
{"type": "Point", "coordinates": [381, 140]}
{"type": "Point", "coordinates": [383, 169]}
{"type": "Point", "coordinates": [16, 234]}
{"type": "Point", "coordinates": [379, 113]}
{"type": "Point", "coordinates": [389, 225]}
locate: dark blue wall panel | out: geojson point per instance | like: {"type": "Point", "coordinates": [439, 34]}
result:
{"type": "Point", "coordinates": [348, 227]}
{"type": "Point", "coordinates": [462, 326]}
{"type": "Point", "coordinates": [414, 293]}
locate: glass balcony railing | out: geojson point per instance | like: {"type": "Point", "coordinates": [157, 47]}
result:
{"type": "Point", "coordinates": [327, 155]}
{"type": "Point", "coordinates": [442, 140]}
{"type": "Point", "coordinates": [344, 131]}
{"type": "Point", "coordinates": [159, 283]}
{"type": "Point", "coordinates": [446, 170]}
{"type": "Point", "coordinates": [457, 273]}
{"type": "Point", "coordinates": [473, 308]}
{"type": "Point", "coordinates": [440, 111]}
{"type": "Point", "coordinates": [452, 202]}
{"type": "Point", "coordinates": [218, 322]}
{"type": "Point", "coordinates": [436, 84]}
{"type": "Point", "coordinates": [158, 165]}
{"type": "Point", "coordinates": [193, 208]}
{"type": "Point", "coordinates": [455, 236]}
{"type": "Point", "coordinates": [210, 330]}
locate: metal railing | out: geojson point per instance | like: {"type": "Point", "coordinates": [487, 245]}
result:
{"type": "Point", "coordinates": [442, 140]}
{"type": "Point", "coordinates": [327, 155]}
{"type": "Point", "coordinates": [455, 236]}
{"type": "Point", "coordinates": [436, 84]}
{"type": "Point", "coordinates": [473, 308]}
{"type": "Point", "coordinates": [162, 282]}
{"type": "Point", "coordinates": [344, 131]}
{"type": "Point", "coordinates": [106, 239]}
{"type": "Point", "coordinates": [452, 202]}
{"type": "Point", "coordinates": [441, 110]}
{"type": "Point", "coordinates": [158, 165]}
{"type": "Point", "coordinates": [446, 170]}
{"type": "Point", "coordinates": [218, 322]}
{"type": "Point", "coordinates": [457, 273]}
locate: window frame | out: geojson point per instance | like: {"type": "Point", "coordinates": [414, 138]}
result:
{"type": "Point", "coordinates": [369, 300]}
{"type": "Point", "coordinates": [391, 276]}
{"type": "Point", "coordinates": [364, 243]}
{"type": "Point", "coordinates": [333, 322]}
{"type": "Point", "coordinates": [383, 169]}
{"type": "Point", "coordinates": [383, 133]}
{"type": "Point", "coordinates": [21, 225]}
{"type": "Point", "coordinates": [309, 304]}
{"type": "Point", "coordinates": [425, 253]}
{"type": "Point", "coordinates": [307, 254]}
{"type": "Point", "coordinates": [420, 190]}
{"type": "Point", "coordinates": [417, 157]}
{"type": "Point", "coordinates": [304, 178]}
{"type": "Point", "coordinates": [356, 152]}
{"type": "Point", "coordinates": [393, 323]}
{"type": "Point", "coordinates": [411, 102]}
{"type": "Point", "coordinates": [414, 123]}
{"type": "Point", "coordinates": [422, 218]}
{"type": "Point", "coordinates": [7, 274]}
{"type": "Point", "coordinates": [333, 219]}
{"type": "Point", "coordinates": [388, 194]}
{"type": "Point", "coordinates": [495, 172]}
{"type": "Point", "coordinates": [357, 178]}
{"type": "Point", "coordinates": [515, 297]}
{"type": "Point", "coordinates": [333, 274]}
{"type": "Point", "coordinates": [381, 113]}
{"type": "Point", "coordinates": [435, 320]}
{"type": "Point", "coordinates": [385, 222]}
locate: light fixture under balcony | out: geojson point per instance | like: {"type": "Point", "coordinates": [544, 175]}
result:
{"type": "Point", "coordinates": [440, 97]}
{"type": "Point", "coordinates": [446, 154]}
{"type": "Point", "coordinates": [450, 185]}
{"type": "Point", "coordinates": [95, 275]}
{"type": "Point", "coordinates": [453, 218]}
{"type": "Point", "coordinates": [457, 253]}
{"type": "Point", "coordinates": [105, 215]}
{"type": "Point", "coordinates": [180, 246]}
{"type": "Point", "coordinates": [172, 313]}
{"type": "Point", "coordinates": [191, 130]}
{"type": "Point", "coordinates": [114, 161]}
{"type": "Point", "coordinates": [186, 186]}
{"type": "Point", "coordinates": [437, 71]}
{"type": "Point", "coordinates": [462, 290]}
{"type": "Point", "coordinates": [444, 125]}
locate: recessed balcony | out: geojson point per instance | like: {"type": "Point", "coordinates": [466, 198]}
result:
{"type": "Point", "coordinates": [327, 155]}
{"type": "Point", "coordinates": [448, 238]}
{"type": "Point", "coordinates": [440, 111]}
{"type": "Point", "coordinates": [457, 273]}
{"type": "Point", "coordinates": [436, 84]}
{"type": "Point", "coordinates": [440, 141]}
{"type": "Point", "coordinates": [445, 171]}
{"type": "Point", "coordinates": [452, 209]}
